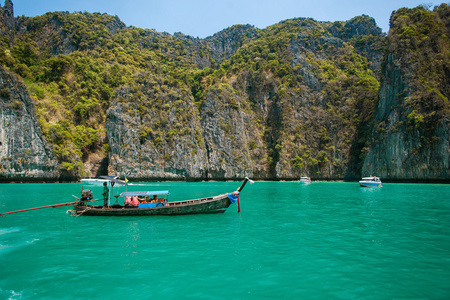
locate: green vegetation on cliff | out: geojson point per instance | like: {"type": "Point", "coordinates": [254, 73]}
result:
{"type": "Point", "coordinates": [411, 133]}
{"type": "Point", "coordinates": [304, 92]}
{"type": "Point", "coordinates": [420, 42]}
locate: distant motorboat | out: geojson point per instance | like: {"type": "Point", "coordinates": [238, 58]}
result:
{"type": "Point", "coordinates": [98, 181]}
{"type": "Point", "coordinates": [372, 181]}
{"type": "Point", "coordinates": [305, 180]}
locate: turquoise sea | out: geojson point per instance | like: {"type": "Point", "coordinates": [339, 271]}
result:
{"type": "Point", "coordinates": [327, 240]}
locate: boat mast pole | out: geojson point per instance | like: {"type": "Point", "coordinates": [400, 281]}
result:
{"type": "Point", "coordinates": [244, 183]}
{"type": "Point", "coordinates": [109, 193]}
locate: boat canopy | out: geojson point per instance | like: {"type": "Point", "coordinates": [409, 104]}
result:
{"type": "Point", "coordinates": [370, 178]}
{"type": "Point", "coordinates": [144, 193]}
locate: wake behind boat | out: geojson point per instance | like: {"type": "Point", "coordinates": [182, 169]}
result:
{"type": "Point", "coordinates": [145, 203]}
{"type": "Point", "coordinates": [372, 181]}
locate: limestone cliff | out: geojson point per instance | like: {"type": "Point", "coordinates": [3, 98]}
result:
{"type": "Point", "coordinates": [175, 141]}
{"type": "Point", "coordinates": [58, 35]}
{"type": "Point", "coordinates": [162, 139]}
{"type": "Point", "coordinates": [232, 136]}
{"type": "Point", "coordinates": [300, 97]}
{"type": "Point", "coordinates": [224, 44]}
{"type": "Point", "coordinates": [247, 121]}
{"type": "Point", "coordinates": [24, 153]}
{"type": "Point", "coordinates": [363, 34]}
{"type": "Point", "coordinates": [410, 139]}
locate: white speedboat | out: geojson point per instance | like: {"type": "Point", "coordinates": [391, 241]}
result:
{"type": "Point", "coordinates": [305, 180]}
{"type": "Point", "coordinates": [372, 181]}
{"type": "Point", "coordinates": [98, 181]}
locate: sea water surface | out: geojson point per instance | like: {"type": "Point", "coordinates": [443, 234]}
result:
{"type": "Point", "coordinates": [326, 240]}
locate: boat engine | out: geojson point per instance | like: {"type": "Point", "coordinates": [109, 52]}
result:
{"type": "Point", "coordinates": [86, 195]}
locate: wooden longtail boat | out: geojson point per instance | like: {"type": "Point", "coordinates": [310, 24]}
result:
{"type": "Point", "coordinates": [159, 206]}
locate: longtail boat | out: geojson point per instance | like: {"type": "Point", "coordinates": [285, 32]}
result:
{"type": "Point", "coordinates": [147, 203]}
{"type": "Point", "coordinates": [140, 203]}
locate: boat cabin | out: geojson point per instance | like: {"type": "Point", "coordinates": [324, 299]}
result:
{"type": "Point", "coordinates": [372, 178]}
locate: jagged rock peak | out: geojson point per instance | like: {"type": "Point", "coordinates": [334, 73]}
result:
{"type": "Point", "coordinates": [225, 43]}
{"type": "Point", "coordinates": [8, 6]}
{"type": "Point", "coordinates": [7, 20]}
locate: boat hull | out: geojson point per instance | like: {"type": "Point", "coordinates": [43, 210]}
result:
{"type": "Point", "coordinates": [370, 184]}
{"type": "Point", "coordinates": [217, 204]}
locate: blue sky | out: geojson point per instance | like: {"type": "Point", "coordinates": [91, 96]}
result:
{"type": "Point", "coordinates": [203, 18]}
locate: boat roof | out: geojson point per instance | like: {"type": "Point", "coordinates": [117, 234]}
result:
{"type": "Point", "coordinates": [144, 193]}
{"type": "Point", "coordinates": [369, 178]}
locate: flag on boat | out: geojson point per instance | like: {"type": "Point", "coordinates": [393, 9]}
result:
{"type": "Point", "coordinates": [233, 197]}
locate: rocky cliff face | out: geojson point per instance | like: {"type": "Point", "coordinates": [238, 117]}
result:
{"type": "Point", "coordinates": [410, 139]}
{"type": "Point", "coordinates": [24, 153]}
{"type": "Point", "coordinates": [212, 51]}
{"type": "Point", "coordinates": [232, 136]}
{"type": "Point", "coordinates": [225, 43]}
{"type": "Point", "coordinates": [161, 140]}
{"type": "Point", "coordinates": [177, 140]}
{"type": "Point", "coordinates": [187, 146]}
{"type": "Point", "coordinates": [362, 33]}
{"type": "Point", "coordinates": [248, 123]}
{"type": "Point", "coordinates": [64, 33]}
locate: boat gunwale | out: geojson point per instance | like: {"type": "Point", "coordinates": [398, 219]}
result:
{"type": "Point", "coordinates": [181, 203]}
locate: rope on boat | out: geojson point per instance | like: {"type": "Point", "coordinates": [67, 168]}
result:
{"type": "Point", "coordinates": [73, 212]}
{"type": "Point", "coordinates": [79, 214]}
